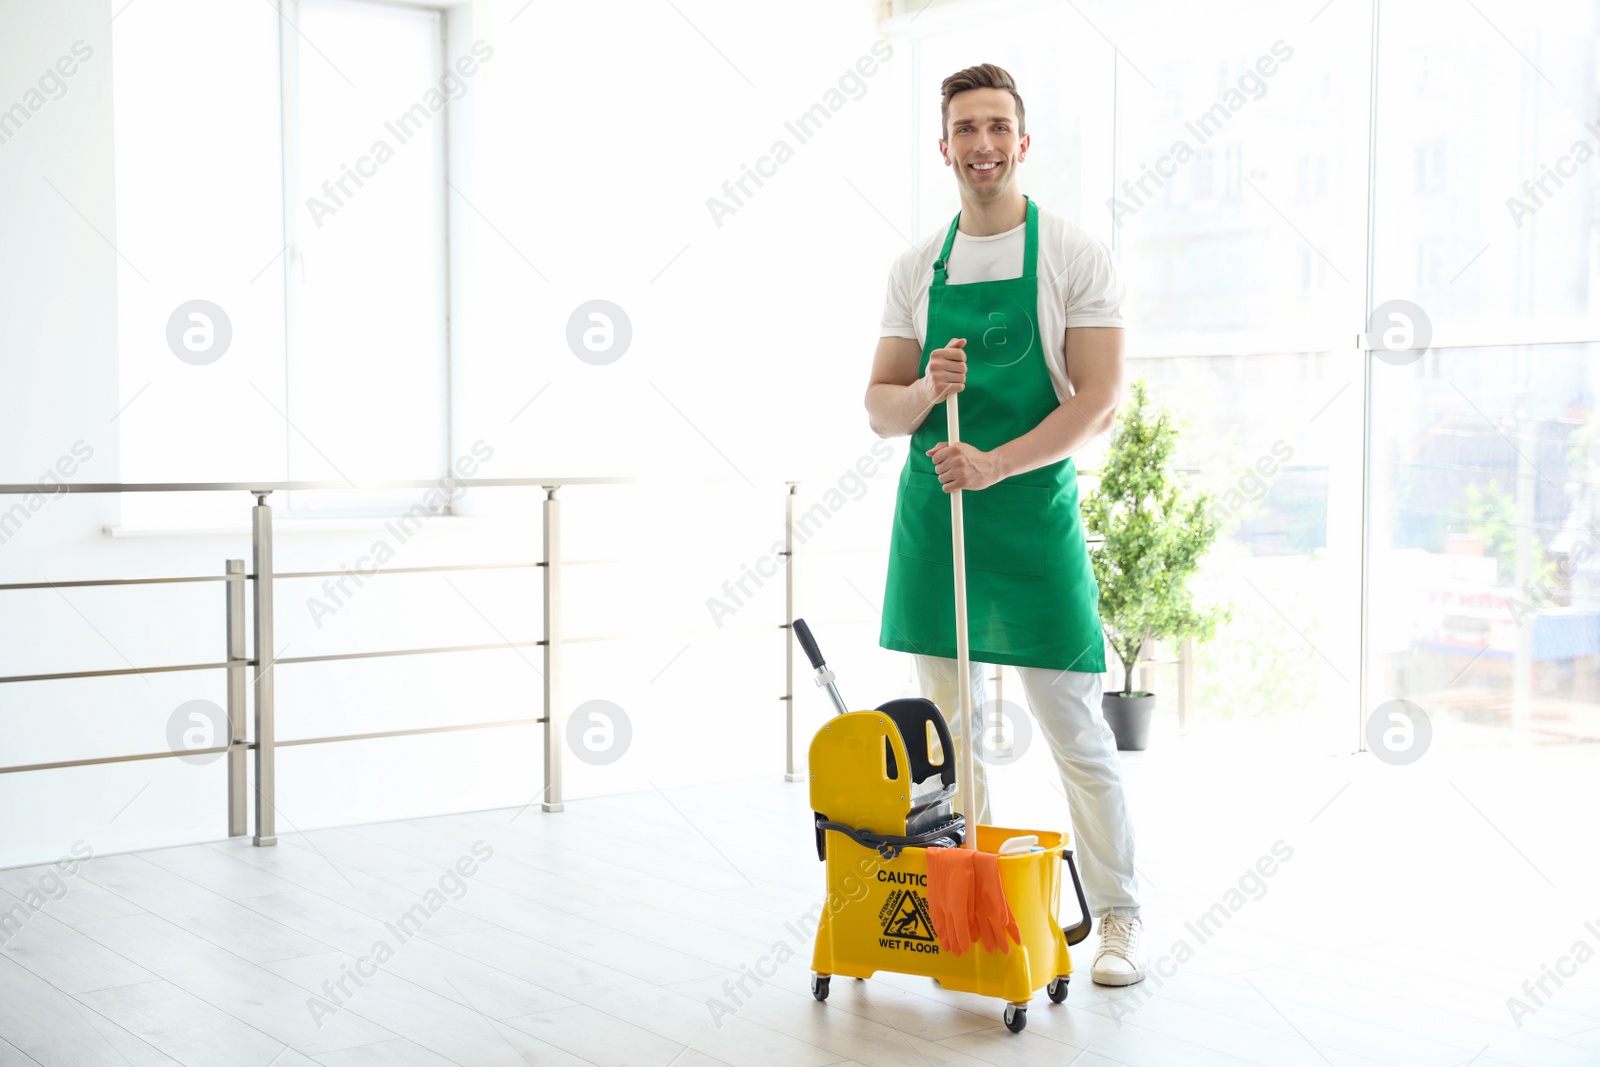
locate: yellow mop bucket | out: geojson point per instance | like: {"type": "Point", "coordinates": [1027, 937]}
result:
{"type": "Point", "coordinates": [881, 802]}
{"type": "Point", "coordinates": [874, 831]}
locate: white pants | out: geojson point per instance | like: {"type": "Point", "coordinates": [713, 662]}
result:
{"type": "Point", "coordinates": [1066, 706]}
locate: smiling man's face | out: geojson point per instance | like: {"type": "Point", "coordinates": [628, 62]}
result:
{"type": "Point", "coordinates": [982, 142]}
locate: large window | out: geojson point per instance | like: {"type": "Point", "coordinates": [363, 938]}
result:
{"type": "Point", "coordinates": [1231, 186]}
{"type": "Point", "coordinates": [282, 234]}
{"type": "Point", "coordinates": [1263, 203]}
{"type": "Point", "coordinates": [367, 236]}
{"type": "Point", "coordinates": [1481, 595]}
{"type": "Point", "coordinates": [1239, 209]}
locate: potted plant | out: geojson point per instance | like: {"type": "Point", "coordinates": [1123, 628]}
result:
{"type": "Point", "coordinates": [1155, 530]}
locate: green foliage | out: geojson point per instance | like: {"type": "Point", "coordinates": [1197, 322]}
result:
{"type": "Point", "coordinates": [1256, 667]}
{"type": "Point", "coordinates": [1156, 530]}
{"type": "Point", "coordinates": [1490, 514]}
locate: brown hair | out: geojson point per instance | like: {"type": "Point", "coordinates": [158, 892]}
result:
{"type": "Point", "coordinates": [983, 76]}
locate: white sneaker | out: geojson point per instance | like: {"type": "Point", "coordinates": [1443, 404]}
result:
{"type": "Point", "coordinates": [1120, 959]}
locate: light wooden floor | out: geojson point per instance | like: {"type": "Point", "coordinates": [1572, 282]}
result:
{"type": "Point", "coordinates": [1415, 902]}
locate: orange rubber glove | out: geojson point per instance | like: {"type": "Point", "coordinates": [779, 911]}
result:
{"type": "Point", "coordinates": [950, 897]}
{"type": "Point", "coordinates": [990, 911]}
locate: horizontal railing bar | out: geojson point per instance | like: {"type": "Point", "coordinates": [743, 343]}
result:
{"type": "Point", "coordinates": [282, 660]}
{"type": "Point", "coordinates": [448, 567]}
{"type": "Point", "coordinates": [26, 488]}
{"type": "Point", "coordinates": [112, 759]}
{"type": "Point", "coordinates": [410, 732]}
{"type": "Point", "coordinates": [839, 551]}
{"type": "Point", "coordinates": [534, 564]}
{"type": "Point", "coordinates": [651, 635]}
{"type": "Point", "coordinates": [30, 488]}
{"type": "Point", "coordinates": [281, 744]}
{"type": "Point", "coordinates": [114, 673]}
{"type": "Point", "coordinates": [403, 570]}
{"type": "Point", "coordinates": [331, 657]}
{"type": "Point", "coordinates": [79, 584]}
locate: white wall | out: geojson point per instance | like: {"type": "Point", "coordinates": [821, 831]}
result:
{"type": "Point", "coordinates": [749, 357]}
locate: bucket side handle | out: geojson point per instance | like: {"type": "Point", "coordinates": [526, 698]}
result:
{"type": "Point", "coordinates": [915, 716]}
{"type": "Point", "coordinates": [1086, 924]}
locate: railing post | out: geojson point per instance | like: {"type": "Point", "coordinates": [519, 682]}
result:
{"type": "Point", "coordinates": [791, 773]}
{"type": "Point", "coordinates": [238, 659]}
{"type": "Point", "coordinates": [266, 762]}
{"type": "Point", "coordinates": [555, 721]}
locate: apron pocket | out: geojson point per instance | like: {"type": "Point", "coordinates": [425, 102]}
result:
{"type": "Point", "coordinates": [1005, 525]}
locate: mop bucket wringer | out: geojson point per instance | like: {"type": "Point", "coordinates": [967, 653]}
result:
{"type": "Point", "coordinates": [880, 802]}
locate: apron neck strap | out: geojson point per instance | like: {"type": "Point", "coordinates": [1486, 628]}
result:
{"type": "Point", "coordinates": [1030, 250]}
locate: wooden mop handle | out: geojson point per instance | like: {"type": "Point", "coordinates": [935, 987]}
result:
{"type": "Point", "coordinates": [965, 777]}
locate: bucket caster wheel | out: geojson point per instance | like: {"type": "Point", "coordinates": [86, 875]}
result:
{"type": "Point", "coordinates": [1057, 989]}
{"type": "Point", "coordinates": [1016, 1018]}
{"type": "Point", "coordinates": [819, 985]}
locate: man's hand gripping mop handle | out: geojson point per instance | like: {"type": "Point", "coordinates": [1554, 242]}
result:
{"type": "Point", "coordinates": [965, 774]}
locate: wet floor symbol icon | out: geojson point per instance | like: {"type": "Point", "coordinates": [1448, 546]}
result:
{"type": "Point", "coordinates": [906, 915]}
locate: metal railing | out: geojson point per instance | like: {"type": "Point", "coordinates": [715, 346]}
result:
{"type": "Point", "coordinates": [257, 633]}
{"type": "Point", "coordinates": [259, 628]}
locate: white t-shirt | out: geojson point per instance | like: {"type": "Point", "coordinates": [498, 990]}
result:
{"type": "Point", "coordinates": [1078, 282]}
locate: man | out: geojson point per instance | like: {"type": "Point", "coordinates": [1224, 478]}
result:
{"type": "Point", "coordinates": [1027, 308]}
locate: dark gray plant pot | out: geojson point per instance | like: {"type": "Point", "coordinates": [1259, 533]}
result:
{"type": "Point", "coordinates": [1129, 717]}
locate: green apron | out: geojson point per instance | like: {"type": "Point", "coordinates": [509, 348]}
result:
{"type": "Point", "coordinates": [1031, 595]}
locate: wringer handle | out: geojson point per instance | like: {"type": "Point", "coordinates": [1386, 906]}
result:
{"type": "Point", "coordinates": [825, 678]}
{"type": "Point", "coordinates": [808, 644]}
{"type": "Point", "coordinates": [966, 777]}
